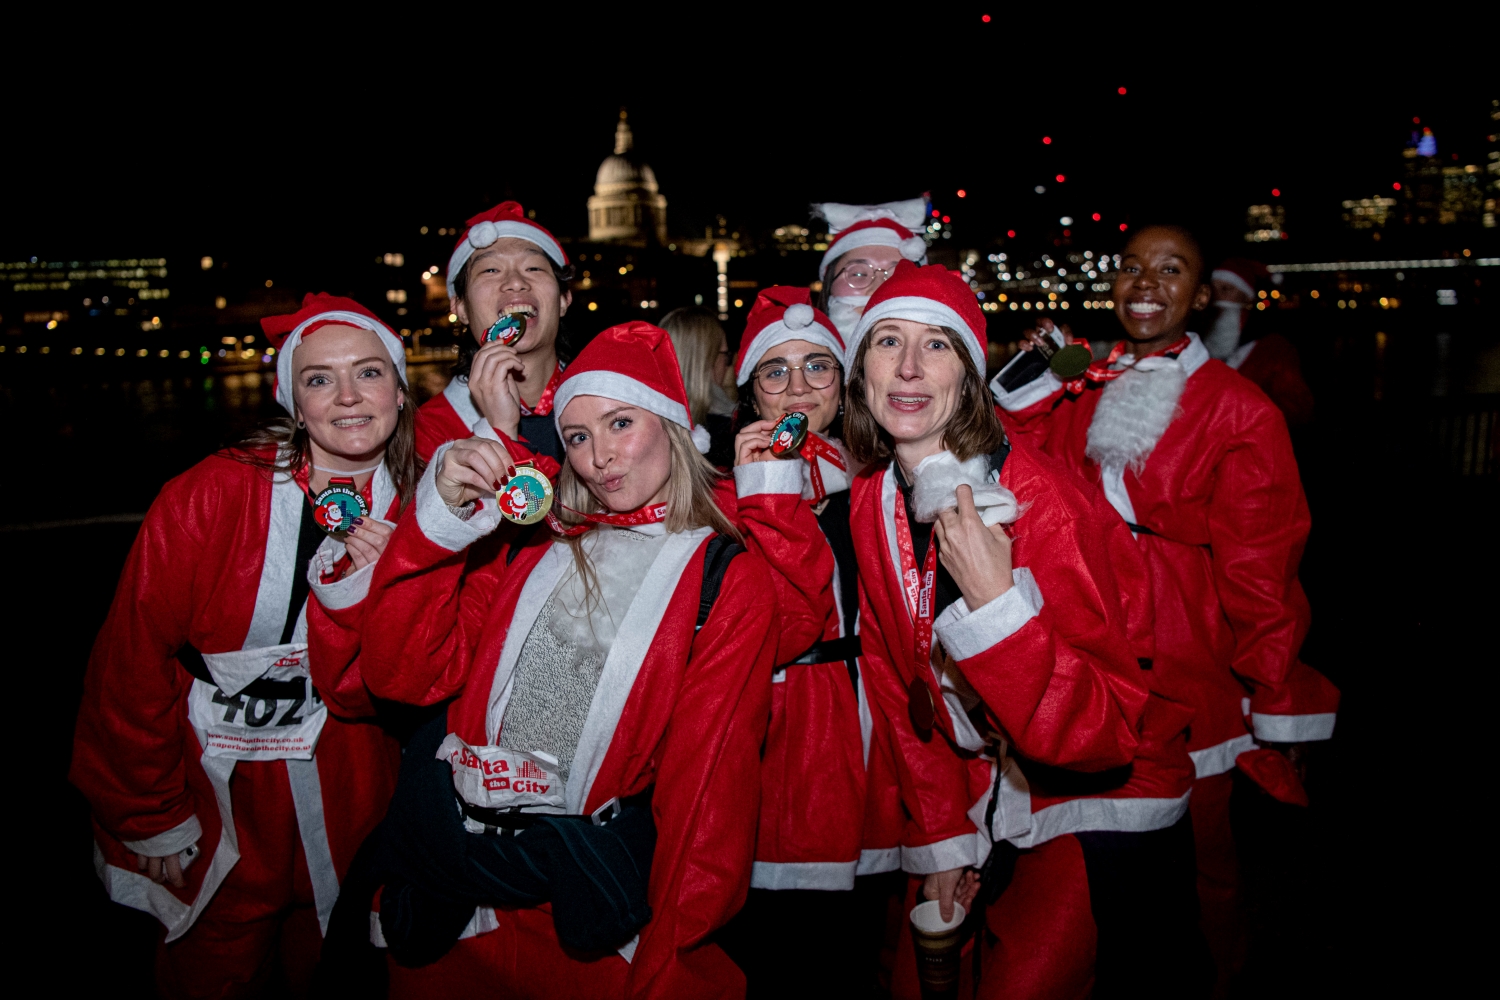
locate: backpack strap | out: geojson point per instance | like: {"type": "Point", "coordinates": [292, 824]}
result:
{"type": "Point", "coordinates": [716, 558]}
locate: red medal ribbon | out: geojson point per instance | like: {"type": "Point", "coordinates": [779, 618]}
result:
{"type": "Point", "coordinates": [920, 588]}
{"type": "Point", "coordinates": [650, 514]}
{"type": "Point", "coordinates": [813, 449]}
{"type": "Point", "coordinates": [1100, 371]}
{"type": "Point", "coordinates": [544, 404]}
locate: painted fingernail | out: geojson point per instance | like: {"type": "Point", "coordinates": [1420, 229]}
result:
{"type": "Point", "coordinates": [359, 520]}
{"type": "Point", "coordinates": [497, 484]}
{"type": "Point", "coordinates": [510, 470]}
{"type": "Point", "coordinates": [352, 529]}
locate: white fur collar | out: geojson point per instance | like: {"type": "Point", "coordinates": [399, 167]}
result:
{"type": "Point", "coordinates": [1136, 408]}
{"type": "Point", "coordinates": [936, 479]}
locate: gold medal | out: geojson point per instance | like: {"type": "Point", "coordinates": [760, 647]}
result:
{"type": "Point", "coordinates": [508, 329]}
{"type": "Point", "coordinates": [526, 497]}
{"type": "Point", "coordinates": [336, 507]}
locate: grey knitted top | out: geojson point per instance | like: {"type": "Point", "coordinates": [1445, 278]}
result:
{"type": "Point", "coordinates": [561, 661]}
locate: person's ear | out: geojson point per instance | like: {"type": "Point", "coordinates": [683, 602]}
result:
{"type": "Point", "coordinates": [564, 301]}
{"type": "Point", "coordinates": [1203, 297]}
{"type": "Point", "coordinates": [457, 308]}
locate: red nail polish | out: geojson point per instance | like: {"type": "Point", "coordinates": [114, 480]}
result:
{"type": "Point", "coordinates": [497, 485]}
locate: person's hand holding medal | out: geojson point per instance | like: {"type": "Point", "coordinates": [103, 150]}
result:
{"type": "Point", "coordinates": [767, 440]}
{"type": "Point", "coordinates": [496, 370]}
{"type": "Point", "coordinates": [478, 467]}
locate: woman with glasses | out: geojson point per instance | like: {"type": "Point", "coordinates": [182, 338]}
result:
{"type": "Point", "coordinates": [866, 243]}
{"type": "Point", "coordinates": [814, 839]}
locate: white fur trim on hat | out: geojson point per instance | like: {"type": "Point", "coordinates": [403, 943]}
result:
{"type": "Point", "coordinates": [780, 332]}
{"type": "Point", "coordinates": [1233, 278]}
{"type": "Point", "coordinates": [701, 439]}
{"type": "Point", "coordinates": [911, 213]}
{"type": "Point", "coordinates": [485, 233]}
{"type": "Point", "coordinates": [613, 385]}
{"type": "Point", "coordinates": [393, 346]}
{"type": "Point", "coordinates": [918, 310]}
{"type": "Point", "coordinates": [913, 248]}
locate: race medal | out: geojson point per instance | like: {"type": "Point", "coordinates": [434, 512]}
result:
{"type": "Point", "coordinates": [508, 329]}
{"type": "Point", "coordinates": [1071, 361]}
{"type": "Point", "coordinates": [920, 707]}
{"type": "Point", "coordinates": [336, 507]}
{"type": "Point", "coordinates": [526, 497]}
{"type": "Point", "coordinates": [789, 434]}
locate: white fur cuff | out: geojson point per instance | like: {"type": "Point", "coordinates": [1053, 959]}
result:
{"type": "Point", "coordinates": [945, 855]}
{"type": "Point", "coordinates": [439, 524]}
{"type": "Point", "coordinates": [775, 476]}
{"type": "Point", "coordinates": [340, 594]}
{"type": "Point", "coordinates": [174, 841]}
{"type": "Point", "coordinates": [1030, 394]}
{"type": "Point", "coordinates": [482, 429]}
{"type": "Point", "coordinates": [1294, 728]}
{"type": "Point", "coordinates": [966, 633]}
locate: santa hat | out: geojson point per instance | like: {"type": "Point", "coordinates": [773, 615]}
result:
{"type": "Point", "coordinates": [933, 295]}
{"type": "Point", "coordinates": [286, 332]}
{"type": "Point", "coordinates": [891, 224]}
{"type": "Point", "coordinates": [633, 363]}
{"type": "Point", "coordinates": [506, 219]}
{"type": "Point", "coordinates": [1241, 273]}
{"type": "Point", "coordinates": [782, 313]}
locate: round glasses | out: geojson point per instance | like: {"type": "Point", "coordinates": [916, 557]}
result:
{"type": "Point", "coordinates": [861, 274]}
{"type": "Point", "coordinates": [818, 374]}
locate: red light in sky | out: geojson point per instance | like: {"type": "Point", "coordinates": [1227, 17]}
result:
{"type": "Point", "coordinates": [1061, 178]}
{"type": "Point", "coordinates": [1396, 186]}
{"type": "Point", "coordinates": [1122, 227]}
{"type": "Point", "coordinates": [1067, 232]}
{"type": "Point", "coordinates": [946, 219]}
{"type": "Point", "coordinates": [1276, 192]}
{"type": "Point", "coordinates": [985, 18]}
{"type": "Point", "coordinates": [962, 193]}
{"type": "Point", "coordinates": [1416, 121]}
{"type": "Point", "coordinates": [1011, 233]}
{"type": "Point", "coordinates": [936, 213]}
{"type": "Point", "coordinates": [1046, 140]}
{"type": "Point", "coordinates": [1121, 91]}
{"type": "Point", "coordinates": [1097, 216]}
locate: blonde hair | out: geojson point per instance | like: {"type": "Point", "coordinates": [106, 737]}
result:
{"type": "Point", "coordinates": [690, 499]}
{"type": "Point", "coordinates": [697, 338]}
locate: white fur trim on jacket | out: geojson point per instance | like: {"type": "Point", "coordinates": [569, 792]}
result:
{"type": "Point", "coordinates": [874, 860]}
{"type": "Point", "coordinates": [775, 476]}
{"type": "Point", "coordinates": [1033, 392]}
{"type": "Point", "coordinates": [439, 523]}
{"type": "Point", "coordinates": [918, 310]}
{"type": "Point", "coordinates": [486, 233]}
{"type": "Point", "coordinates": [173, 841]}
{"type": "Point", "coordinates": [936, 480]}
{"type": "Point", "coordinates": [1221, 756]}
{"type": "Point", "coordinates": [1308, 728]}
{"type": "Point", "coordinates": [966, 633]}
{"type": "Point", "coordinates": [829, 876]}
{"type": "Point", "coordinates": [955, 852]}
{"type": "Point", "coordinates": [392, 343]}
{"type": "Point", "coordinates": [1134, 412]}
{"type": "Point", "coordinates": [778, 333]}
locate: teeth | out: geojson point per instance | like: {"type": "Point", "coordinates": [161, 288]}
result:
{"type": "Point", "coordinates": [909, 399]}
{"type": "Point", "coordinates": [525, 310]}
{"type": "Point", "coordinates": [1145, 308]}
{"type": "Point", "coordinates": [351, 421]}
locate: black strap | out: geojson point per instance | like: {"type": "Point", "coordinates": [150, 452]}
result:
{"type": "Point", "coordinates": [834, 520]}
{"type": "Point", "coordinates": [1139, 529]}
{"type": "Point", "coordinates": [846, 649]}
{"type": "Point", "coordinates": [192, 661]}
{"type": "Point", "coordinates": [514, 819]}
{"type": "Point", "coordinates": [716, 557]}
{"type": "Point", "coordinates": [309, 537]}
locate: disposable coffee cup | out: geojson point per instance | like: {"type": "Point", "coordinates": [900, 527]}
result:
{"type": "Point", "coordinates": [939, 945]}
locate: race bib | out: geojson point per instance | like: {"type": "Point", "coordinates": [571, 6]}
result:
{"type": "Point", "coordinates": [246, 727]}
{"type": "Point", "coordinates": [492, 778]}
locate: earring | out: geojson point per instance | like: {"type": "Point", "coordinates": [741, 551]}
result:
{"type": "Point", "coordinates": [400, 407]}
{"type": "Point", "coordinates": [302, 425]}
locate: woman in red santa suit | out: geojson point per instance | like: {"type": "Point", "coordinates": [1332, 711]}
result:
{"type": "Point", "coordinates": [865, 243]}
{"type": "Point", "coordinates": [230, 776]}
{"type": "Point", "coordinates": [1002, 622]}
{"type": "Point", "coordinates": [1198, 463]}
{"type": "Point", "coordinates": [815, 839]}
{"type": "Point", "coordinates": [580, 818]}
{"type": "Point", "coordinates": [504, 265]}
{"type": "Point", "coordinates": [1269, 360]}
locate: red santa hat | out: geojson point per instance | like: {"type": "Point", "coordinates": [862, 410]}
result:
{"type": "Point", "coordinates": [633, 363]}
{"type": "Point", "coordinates": [933, 295]}
{"type": "Point", "coordinates": [320, 310]}
{"type": "Point", "coordinates": [782, 313]}
{"type": "Point", "coordinates": [891, 224]}
{"type": "Point", "coordinates": [1240, 273]}
{"type": "Point", "coordinates": [506, 219]}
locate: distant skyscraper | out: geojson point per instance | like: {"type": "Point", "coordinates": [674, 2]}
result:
{"type": "Point", "coordinates": [1422, 190]}
{"type": "Point", "coordinates": [1265, 223]}
{"type": "Point", "coordinates": [627, 206]}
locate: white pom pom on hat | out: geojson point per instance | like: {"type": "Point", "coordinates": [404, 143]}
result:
{"type": "Point", "coordinates": [798, 316]}
{"type": "Point", "coordinates": [483, 235]}
{"type": "Point", "coordinates": [914, 249]}
{"type": "Point", "coordinates": [701, 439]}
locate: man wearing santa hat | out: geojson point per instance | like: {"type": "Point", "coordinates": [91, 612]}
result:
{"type": "Point", "coordinates": [1198, 463]}
{"type": "Point", "coordinates": [1270, 360]}
{"type": "Point", "coordinates": [865, 244]}
{"type": "Point", "coordinates": [504, 264]}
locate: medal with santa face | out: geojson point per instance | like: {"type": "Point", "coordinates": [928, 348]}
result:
{"type": "Point", "coordinates": [526, 497]}
{"type": "Point", "coordinates": [508, 329]}
{"type": "Point", "coordinates": [337, 506]}
{"type": "Point", "coordinates": [789, 435]}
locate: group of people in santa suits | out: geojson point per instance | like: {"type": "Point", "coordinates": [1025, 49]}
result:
{"type": "Point", "coordinates": [998, 646]}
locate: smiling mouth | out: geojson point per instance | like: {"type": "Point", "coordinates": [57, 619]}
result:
{"type": "Point", "coordinates": [1144, 310]}
{"type": "Point", "coordinates": [907, 404]}
{"type": "Point", "coordinates": [521, 309]}
{"type": "Point", "coordinates": [345, 423]}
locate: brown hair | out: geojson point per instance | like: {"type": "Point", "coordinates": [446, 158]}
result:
{"type": "Point", "coordinates": [280, 447]}
{"type": "Point", "coordinates": [696, 338]}
{"type": "Point", "coordinates": [974, 429]}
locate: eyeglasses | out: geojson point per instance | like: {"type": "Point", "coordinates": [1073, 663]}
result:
{"type": "Point", "coordinates": [818, 374]}
{"type": "Point", "coordinates": [861, 274]}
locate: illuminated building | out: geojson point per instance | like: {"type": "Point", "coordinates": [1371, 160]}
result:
{"type": "Point", "coordinates": [1368, 213]}
{"type": "Point", "coordinates": [627, 206]}
{"type": "Point", "coordinates": [1265, 223]}
{"type": "Point", "coordinates": [1422, 189]}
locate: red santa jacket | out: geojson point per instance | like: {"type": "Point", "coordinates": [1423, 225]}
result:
{"type": "Point", "coordinates": [452, 416]}
{"type": "Point", "coordinates": [1221, 521]}
{"type": "Point", "coordinates": [212, 566]}
{"type": "Point", "coordinates": [1273, 364]}
{"type": "Point", "coordinates": [815, 829]}
{"type": "Point", "coordinates": [684, 712]}
{"type": "Point", "coordinates": [1054, 666]}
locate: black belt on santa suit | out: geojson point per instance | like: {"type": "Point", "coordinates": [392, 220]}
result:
{"type": "Point", "coordinates": [845, 650]}
{"type": "Point", "coordinates": [192, 661]}
{"type": "Point", "coordinates": [513, 821]}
